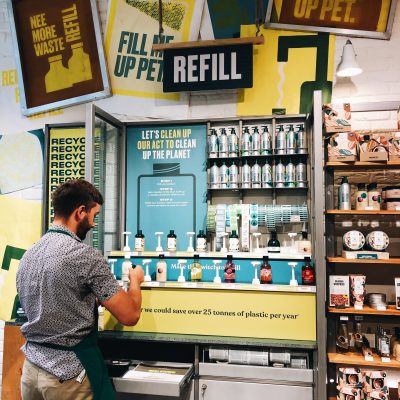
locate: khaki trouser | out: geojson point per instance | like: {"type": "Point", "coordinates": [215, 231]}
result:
{"type": "Point", "coordinates": [37, 384]}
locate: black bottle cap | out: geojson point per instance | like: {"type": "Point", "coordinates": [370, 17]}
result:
{"type": "Point", "coordinates": [161, 256]}
{"type": "Point", "coordinates": [195, 256]}
{"type": "Point", "coordinates": [171, 232]}
{"type": "Point", "coordinates": [229, 257]}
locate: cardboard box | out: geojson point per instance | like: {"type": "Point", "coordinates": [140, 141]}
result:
{"type": "Point", "coordinates": [374, 146]}
{"type": "Point", "coordinates": [339, 291]}
{"type": "Point", "coordinates": [377, 394]}
{"type": "Point", "coordinates": [343, 147]}
{"type": "Point", "coordinates": [337, 117]}
{"type": "Point", "coordinates": [397, 288]}
{"type": "Point", "coordinates": [394, 147]}
{"type": "Point", "coordinates": [350, 377]}
{"type": "Point", "coordinates": [345, 391]}
{"type": "Point", "coordinates": [357, 289]}
{"type": "Point", "coordinates": [375, 381]}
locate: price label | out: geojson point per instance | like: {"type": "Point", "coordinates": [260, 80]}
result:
{"type": "Point", "coordinates": [368, 208]}
{"type": "Point", "coordinates": [385, 359]}
{"type": "Point", "coordinates": [368, 358]}
{"type": "Point", "coordinates": [359, 307]}
{"type": "Point", "coordinates": [344, 318]}
{"type": "Point", "coordinates": [397, 208]}
{"type": "Point", "coordinates": [381, 308]}
{"type": "Point", "coordinates": [295, 218]}
{"type": "Point", "coordinates": [153, 284]}
{"type": "Point", "coordinates": [190, 285]}
{"type": "Point", "coordinates": [354, 239]}
{"type": "Point", "coordinates": [229, 286]}
{"type": "Point", "coordinates": [379, 241]}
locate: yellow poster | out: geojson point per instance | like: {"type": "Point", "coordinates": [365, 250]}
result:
{"type": "Point", "coordinates": [288, 67]}
{"type": "Point", "coordinates": [132, 29]}
{"type": "Point", "coordinates": [20, 227]}
{"type": "Point", "coordinates": [66, 158]}
{"type": "Point", "coordinates": [271, 315]}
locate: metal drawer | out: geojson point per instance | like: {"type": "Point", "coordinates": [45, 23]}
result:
{"type": "Point", "coordinates": [289, 375]}
{"type": "Point", "coordinates": [154, 386]}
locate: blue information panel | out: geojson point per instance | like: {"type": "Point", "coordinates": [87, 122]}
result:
{"type": "Point", "coordinates": [166, 182]}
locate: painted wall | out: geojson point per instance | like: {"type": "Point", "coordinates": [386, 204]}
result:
{"type": "Point", "coordinates": [380, 61]}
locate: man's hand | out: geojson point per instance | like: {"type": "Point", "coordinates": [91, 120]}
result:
{"type": "Point", "coordinates": [136, 274]}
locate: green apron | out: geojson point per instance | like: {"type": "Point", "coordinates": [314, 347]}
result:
{"type": "Point", "coordinates": [89, 354]}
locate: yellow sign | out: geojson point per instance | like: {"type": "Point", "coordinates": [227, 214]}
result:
{"type": "Point", "coordinates": [287, 69]}
{"type": "Point", "coordinates": [66, 158]}
{"type": "Point", "coordinates": [359, 15]}
{"type": "Point", "coordinates": [225, 313]}
{"type": "Point", "coordinates": [132, 29]}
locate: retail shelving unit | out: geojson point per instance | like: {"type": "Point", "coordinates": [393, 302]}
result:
{"type": "Point", "coordinates": [378, 272]}
{"type": "Point", "coordinates": [192, 347]}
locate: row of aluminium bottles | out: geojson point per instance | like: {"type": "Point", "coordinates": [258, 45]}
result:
{"type": "Point", "coordinates": [258, 176]}
{"type": "Point", "coordinates": [289, 139]}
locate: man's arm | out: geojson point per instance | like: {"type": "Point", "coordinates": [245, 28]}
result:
{"type": "Point", "coordinates": [126, 306]}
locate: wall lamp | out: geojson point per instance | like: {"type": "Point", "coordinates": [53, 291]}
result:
{"type": "Point", "coordinates": [348, 65]}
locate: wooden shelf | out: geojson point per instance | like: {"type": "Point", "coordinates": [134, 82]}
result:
{"type": "Point", "coordinates": [391, 311]}
{"type": "Point", "coordinates": [358, 359]}
{"type": "Point", "coordinates": [362, 212]}
{"type": "Point", "coordinates": [341, 260]}
{"type": "Point", "coordinates": [362, 164]}
{"type": "Point", "coordinates": [208, 43]}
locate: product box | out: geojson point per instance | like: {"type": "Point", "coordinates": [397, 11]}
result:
{"type": "Point", "coordinates": [397, 288]}
{"type": "Point", "coordinates": [343, 147]}
{"type": "Point", "coordinates": [394, 146]}
{"type": "Point", "coordinates": [337, 117]}
{"type": "Point", "coordinates": [377, 394]}
{"type": "Point", "coordinates": [350, 377]}
{"type": "Point", "coordinates": [375, 381]}
{"type": "Point", "coordinates": [357, 290]}
{"type": "Point", "coordinates": [339, 291]}
{"type": "Point", "coordinates": [374, 147]}
{"type": "Point", "coordinates": [347, 393]}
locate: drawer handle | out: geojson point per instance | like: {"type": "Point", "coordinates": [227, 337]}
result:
{"type": "Point", "coordinates": [203, 390]}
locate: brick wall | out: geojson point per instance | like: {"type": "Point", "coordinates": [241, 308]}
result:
{"type": "Point", "coordinates": [380, 81]}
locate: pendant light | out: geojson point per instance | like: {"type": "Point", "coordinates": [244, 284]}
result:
{"type": "Point", "coordinates": [348, 65]}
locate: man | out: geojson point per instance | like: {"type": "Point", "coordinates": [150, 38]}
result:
{"type": "Point", "coordinates": [58, 282]}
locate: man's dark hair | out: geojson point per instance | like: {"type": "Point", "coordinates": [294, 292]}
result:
{"type": "Point", "coordinates": [72, 194]}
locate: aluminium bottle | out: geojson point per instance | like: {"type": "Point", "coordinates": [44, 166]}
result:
{"type": "Point", "coordinates": [266, 141]}
{"type": "Point", "coordinates": [255, 142]}
{"type": "Point", "coordinates": [223, 144]}
{"type": "Point", "coordinates": [245, 175]}
{"type": "Point", "coordinates": [245, 142]}
{"type": "Point", "coordinates": [233, 176]}
{"type": "Point", "coordinates": [213, 144]}
{"type": "Point", "coordinates": [344, 194]}
{"type": "Point", "coordinates": [256, 176]}
{"type": "Point", "coordinates": [224, 176]}
{"type": "Point", "coordinates": [233, 143]}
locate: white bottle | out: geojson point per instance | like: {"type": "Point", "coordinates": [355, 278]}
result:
{"type": "Point", "coordinates": [233, 176]}
{"type": "Point", "coordinates": [126, 267]}
{"type": "Point", "coordinates": [246, 175]}
{"type": "Point", "coordinates": [344, 195]}
{"type": "Point", "coordinates": [223, 176]}
{"type": "Point", "coordinates": [256, 176]}
{"type": "Point", "coordinates": [161, 269]}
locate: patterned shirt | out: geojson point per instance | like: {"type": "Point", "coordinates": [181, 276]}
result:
{"type": "Point", "coordinates": [58, 281]}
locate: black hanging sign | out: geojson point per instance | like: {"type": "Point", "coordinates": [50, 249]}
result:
{"type": "Point", "coordinates": [208, 68]}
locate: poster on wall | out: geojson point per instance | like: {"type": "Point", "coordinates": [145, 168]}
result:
{"type": "Point", "coordinates": [289, 66]}
{"type": "Point", "coordinates": [65, 160]}
{"type": "Point", "coordinates": [365, 18]}
{"type": "Point", "coordinates": [59, 53]}
{"type": "Point", "coordinates": [132, 29]}
{"type": "Point", "coordinates": [20, 207]}
{"type": "Point", "coordinates": [166, 181]}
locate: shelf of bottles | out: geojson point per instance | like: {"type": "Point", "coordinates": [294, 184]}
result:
{"type": "Point", "coordinates": [257, 157]}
